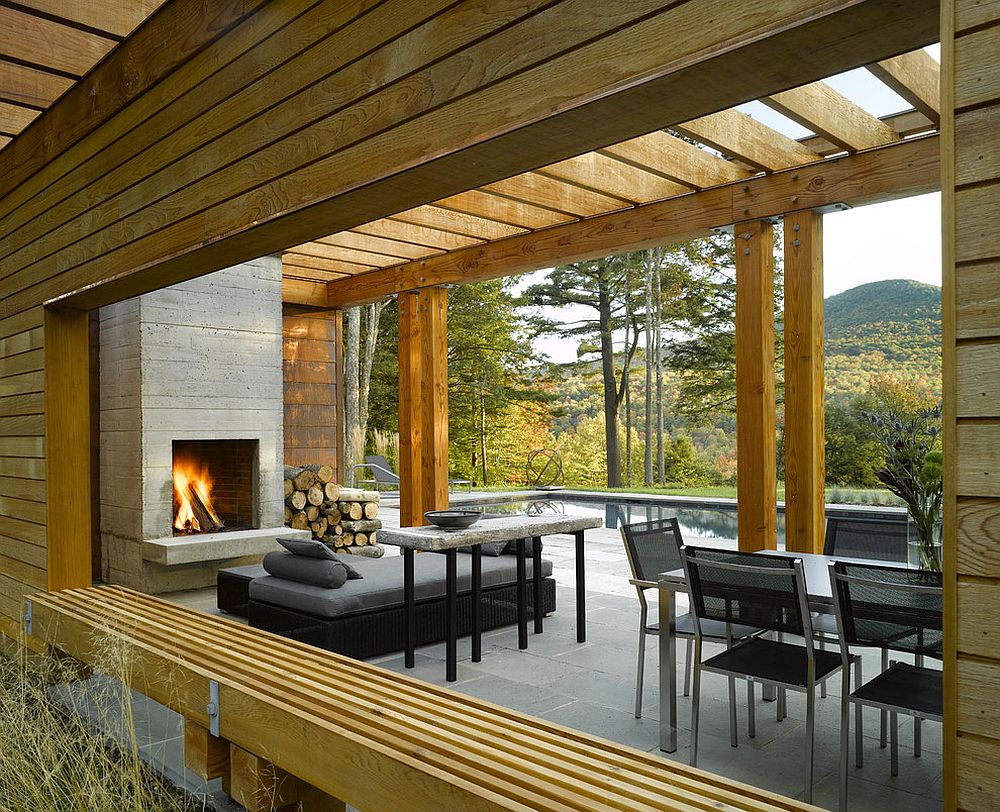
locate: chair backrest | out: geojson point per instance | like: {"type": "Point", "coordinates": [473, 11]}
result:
{"type": "Point", "coordinates": [382, 470]}
{"type": "Point", "coordinates": [889, 607]}
{"type": "Point", "coordinates": [652, 547]}
{"type": "Point", "coordinates": [877, 539]}
{"type": "Point", "coordinates": [748, 588]}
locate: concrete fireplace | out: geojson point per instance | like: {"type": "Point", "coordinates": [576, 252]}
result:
{"type": "Point", "coordinates": [192, 376]}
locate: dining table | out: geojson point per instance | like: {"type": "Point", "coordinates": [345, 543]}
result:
{"type": "Point", "coordinates": [816, 569]}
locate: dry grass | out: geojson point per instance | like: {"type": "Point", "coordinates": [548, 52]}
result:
{"type": "Point", "coordinates": [51, 759]}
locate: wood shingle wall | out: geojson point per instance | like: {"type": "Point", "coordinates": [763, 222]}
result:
{"type": "Point", "coordinates": [971, 297]}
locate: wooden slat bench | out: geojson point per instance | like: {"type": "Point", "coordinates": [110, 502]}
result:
{"type": "Point", "coordinates": [303, 728]}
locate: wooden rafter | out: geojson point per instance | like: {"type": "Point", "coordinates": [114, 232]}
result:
{"type": "Point", "coordinates": [602, 173]}
{"type": "Point", "coordinates": [14, 118]}
{"type": "Point", "coordinates": [907, 123]}
{"type": "Point", "coordinates": [492, 206]}
{"type": "Point", "coordinates": [30, 87]}
{"type": "Point", "coordinates": [457, 223]}
{"type": "Point", "coordinates": [823, 110]}
{"type": "Point", "coordinates": [379, 245]}
{"type": "Point", "coordinates": [899, 170]}
{"type": "Point", "coordinates": [737, 134]}
{"type": "Point", "coordinates": [675, 159]}
{"type": "Point", "coordinates": [916, 77]}
{"type": "Point", "coordinates": [51, 46]}
{"type": "Point", "coordinates": [111, 17]}
{"type": "Point", "coordinates": [555, 194]}
{"type": "Point", "coordinates": [302, 259]}
{"type": "Point", "coordinates": [416, 235]}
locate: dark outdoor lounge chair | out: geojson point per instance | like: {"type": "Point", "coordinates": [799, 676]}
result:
{"type": "Point", "coordinates": [364, 618]}
{"type": "Point", "coordinates": [382, 475]}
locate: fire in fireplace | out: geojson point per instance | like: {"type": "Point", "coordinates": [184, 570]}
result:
{"type": "Point", "coordinates": [215, 485]}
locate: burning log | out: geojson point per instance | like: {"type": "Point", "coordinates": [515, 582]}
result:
{"type": "Point", "coordinates": [207, 521]}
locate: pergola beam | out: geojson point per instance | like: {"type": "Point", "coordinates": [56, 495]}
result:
{"type": "Point", "coordinates": [743, 137]}
{"type": "Point", "coordinates": [676, 160]}
{"type": "Point", "coordinates": [823, 110]}
{"type": "Point", "coordinates": [916, 77]}
{"type": "Point", "coordinates": [603, 173]}
{"type": "Point", "coordinates": [888, 173]}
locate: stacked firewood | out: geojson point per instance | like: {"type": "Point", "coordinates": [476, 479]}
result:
{"type": "Point", "coordinates": [345, 519]}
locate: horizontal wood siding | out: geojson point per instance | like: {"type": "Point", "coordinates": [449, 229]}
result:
{"type": "Point", "coordinates": [313, 371]}
{"type": "Point", "coordinates": [971, 181]}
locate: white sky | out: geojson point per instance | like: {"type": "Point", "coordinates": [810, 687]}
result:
{"type": "Point", "coordinates": [896, 240]}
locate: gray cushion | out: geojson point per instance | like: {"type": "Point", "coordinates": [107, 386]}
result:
{"type": "Point", "coordinates": [305, 569]}
{"type": "Point", "coordinates": [352, 572]}
{"type": "Point", "coordinates": [493, 548]}
{"type": "Point", "coordinates": [307, 547]}
{"type": "Point", "coordinates": [382, 586]}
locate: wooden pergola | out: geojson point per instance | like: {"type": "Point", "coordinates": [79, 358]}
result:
{"type": "Point", "coordinates": [396, 147]}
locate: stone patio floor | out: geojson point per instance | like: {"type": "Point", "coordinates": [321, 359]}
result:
{"type": "Point", "coordinates": [590, 687]}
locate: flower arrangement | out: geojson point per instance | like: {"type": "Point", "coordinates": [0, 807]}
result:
{"type": "Point", "coordinates": [913, 471]}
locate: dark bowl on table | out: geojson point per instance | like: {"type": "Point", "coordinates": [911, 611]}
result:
{"type": "Point", "coordinates": [453, 519]}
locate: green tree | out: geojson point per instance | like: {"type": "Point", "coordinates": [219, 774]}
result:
{"type": "Point", "coordinates": [605, 287]}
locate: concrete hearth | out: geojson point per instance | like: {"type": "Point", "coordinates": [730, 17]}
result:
{"type": "Point", "coordinates": [198, 361]}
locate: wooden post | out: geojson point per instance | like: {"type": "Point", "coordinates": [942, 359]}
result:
{"type": "Point", "coordinates": [67, 447]}
{"type": "Point", "coordinates": [423, 403]}
{"type": "Point", "coordinates": [805, 446]}
{"type": "Point", "coordinates": [756, 438]}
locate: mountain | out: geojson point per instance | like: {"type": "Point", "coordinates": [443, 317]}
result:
{"type": "Point", "coordinates": [892, 326]}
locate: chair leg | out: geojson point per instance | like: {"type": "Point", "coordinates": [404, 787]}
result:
{"type": "Point", "coordinates": [687, 667]}
{"type": "Point", "coordinates": [918, 661]}
{"type": "Point", "coordinates": [751, 710]}
{"type": "Point", "coordinates": [695, 705]}
{"type": "Point", "coordinates": [822, 685]}
{"type": "Point", "coordinates": [883, 715]}
{"type": "Point", "coordinates": [733, 734]}
{"type": "Point", "coordinates": [859, 719]}
{"type": "Point", "coordinates": [810, 734]}
{"type": "Point", "coordinates": [894, 742]}
{"type": "Point", "coordinates": [845, 733]}
{"type": "Point", "coordinates": [640, 666]}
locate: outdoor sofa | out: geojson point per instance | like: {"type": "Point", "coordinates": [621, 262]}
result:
{"type": "Point", "coordinates": [364, 617]}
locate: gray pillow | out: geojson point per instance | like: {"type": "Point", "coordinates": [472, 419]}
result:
{"type": "Point", "coordinates": [511, 547]}
{"type": "Point", "coordinates": [306, 569]}
{"type": "Point", "coordinates": [352, 574]}
{"type": "Point", "coordinates": [309, 548]}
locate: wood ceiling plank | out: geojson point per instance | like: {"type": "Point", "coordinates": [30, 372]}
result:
{"type": "Point", "coordinates": [552, 193]}
{"type": "Point", "coordinates": [143, 60]}
{"type": "Point", "coordinates": [820, 108]}
{"type": "Point", "coordinates": [676, 160]}
{"type": "Point", "coordinates": [303, 292]}
{"type": "Point", "coordinates": [24, 85]}
{"type": "Point", "coordinates": [417, 235]}
{"type": "Point", "coordinates": [457, 222]}
{"type": "Point", "coordinates": [302, 272]}
{"type": "Point", "coordinates": [13, 118]}
{"type": "Point", "coordinates": [378, 245]}
{"type": "Point", "coordinates": [916, 77]}
{"type": "Point", "coordinates": [4, 141]}
{"type": "Point", "coordinates": [743, 137]}
{"type": "Point", "coordinates": [907, 123]}
{"type": "Point", "coordinates": [602, 173]}
{"type": "Point", "coordinates": [295, 257]}
{"type": "Point", "coordinates": [40, 41]}
{"type": "Point", "coordinates": [901, 170]}
{"type": "Point", "coordinates": [116, 17]}
{"type": "Point", "coordinates": [502, 209]}
{"type": "Point", "coordinates": [481, 132]}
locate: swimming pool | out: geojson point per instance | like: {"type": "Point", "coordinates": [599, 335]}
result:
{"type": "Point", "coordinates": [717, 523]}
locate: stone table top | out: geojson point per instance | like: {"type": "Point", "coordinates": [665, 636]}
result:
{"type": "Point", "coordinates": [504, 528]}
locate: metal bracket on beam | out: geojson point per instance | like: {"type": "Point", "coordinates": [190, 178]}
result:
{"type": "Point", "coordinates": [212, 708]}
{"type": "Point", "coordinates": [723, 229]}
{"type": "Point", "coordinates": [832, 207]}
{"type": "Point", "coordinates": [28, 618]}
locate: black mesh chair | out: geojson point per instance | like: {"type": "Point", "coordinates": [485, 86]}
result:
{"type": "Point", "coordinates": [768, 592]}
{"type": "Point", "coordinates": [895, 609]}
{"type": "Point", "coordinates": [875, 539]}
{"type": "Point", "coordinates": [652, 548]}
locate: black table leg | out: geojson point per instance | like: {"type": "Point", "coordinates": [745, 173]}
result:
{"type": "Point", "coordinates": [477, 603]}
{"type": "Point", "coordinates": [409, 612]}
{"type": "Point", "coordinates": [581, 590]}
{"type": "Point", "coordinates": [451, 587]}
{"type": "Point", "coordinates": [536, 572]}
{"type": "Point", "coordinates": [522, 597]}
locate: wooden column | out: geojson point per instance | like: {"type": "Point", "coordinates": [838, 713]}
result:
{"type": "Point", "coordinates": [756, 438]}
{"type": "Point", "coordinates": [67, 447]}
{"type": "Point", "coordinates": [423, 403]}
{"type": "Point", "coordinates": [805, 448]}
